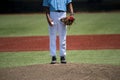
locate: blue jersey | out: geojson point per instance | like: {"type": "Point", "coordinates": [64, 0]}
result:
{"type": "Point", "coordinates": [55, 5]}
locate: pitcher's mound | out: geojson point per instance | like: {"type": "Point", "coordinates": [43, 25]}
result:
{"type": "Point", "coordinates": [68, 71]}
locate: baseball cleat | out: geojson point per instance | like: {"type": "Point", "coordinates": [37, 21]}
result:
{"type": "Point", "coordinates": [54, 60]}
{"type": "Point", "coordinates": [63, 61]}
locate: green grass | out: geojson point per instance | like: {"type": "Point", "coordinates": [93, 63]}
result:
{"type": "Point", "coordinates": [96, 23]}
{"type": "Point", "coordinates": [23, 25]}
{"type": "Point", "coordinates": [95, 56]}
{"type": "Point", "coordinates": [36, 24]}
{"type": "Point", "coordinates": [13, 59]}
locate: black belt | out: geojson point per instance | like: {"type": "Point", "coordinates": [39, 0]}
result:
{"type": "Point", "coordinates": [59, 11]}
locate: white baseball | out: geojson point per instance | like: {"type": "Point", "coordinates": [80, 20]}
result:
{"type": "Point", "coordinates": [52, 23]}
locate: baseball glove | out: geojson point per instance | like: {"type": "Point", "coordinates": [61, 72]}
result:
{"type": "Point", "coordinates": [69, 20]}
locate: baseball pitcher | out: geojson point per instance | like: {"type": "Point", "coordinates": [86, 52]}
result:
{"type": "Point", "coordinates": [56, 17]}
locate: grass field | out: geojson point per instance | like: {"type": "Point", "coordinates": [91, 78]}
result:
{"type": "Point", "coordinates": [36, 25]}
{"type": "Point", "coordinates": [14, 59]}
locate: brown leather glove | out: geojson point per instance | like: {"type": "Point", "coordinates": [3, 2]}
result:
{"type": "Point", "coordinates": [69, 20]}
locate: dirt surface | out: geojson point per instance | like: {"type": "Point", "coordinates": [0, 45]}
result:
{"type": "Point", "coordinates": [68, 71]}
{"type": "Point", "coordinates": [78, 42]}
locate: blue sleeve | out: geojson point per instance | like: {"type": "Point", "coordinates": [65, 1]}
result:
{"type": "Point", "coordinates": [69, 1]}
{"type": "Point", "coordinates": [45, 3]}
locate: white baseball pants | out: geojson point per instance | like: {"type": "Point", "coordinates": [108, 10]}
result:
{"type": "Point", "coordinates": [59, 28]}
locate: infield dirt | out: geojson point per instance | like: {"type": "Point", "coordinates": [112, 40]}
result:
{"type": "Point", "coordinates": [75, 42]}
{"type": "Point", "coordinates": [68, 71]}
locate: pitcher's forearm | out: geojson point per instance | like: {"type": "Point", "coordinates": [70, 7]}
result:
{"type": "Point", "coordinates": [48, 16]}
{"type": "Point", "coordinates": [70, 6]}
